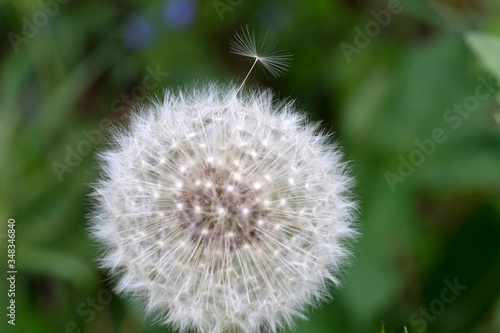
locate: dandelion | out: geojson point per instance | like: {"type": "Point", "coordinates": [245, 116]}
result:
{"type": "Point", "coordinates": [223, 211]}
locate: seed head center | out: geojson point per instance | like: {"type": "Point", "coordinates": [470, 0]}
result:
{"type": "Point", "coordinates": [219, 210]}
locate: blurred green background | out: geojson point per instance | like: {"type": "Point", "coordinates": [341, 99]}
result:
{"type": "Point", "coordinates": [430, 208]}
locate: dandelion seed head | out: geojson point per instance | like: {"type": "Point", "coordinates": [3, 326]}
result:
{"type": "Point", "coordinates": [242, 244]}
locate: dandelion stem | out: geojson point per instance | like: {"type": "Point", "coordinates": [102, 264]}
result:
{"type": "Point", "coordinates": [246, 77]}
{"type": "Point", "coordinates": [241, 86]}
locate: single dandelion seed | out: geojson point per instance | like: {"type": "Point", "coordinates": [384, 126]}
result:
{"type": "Point", "coordinates": [274, 62]}
{"type": "Point", "coordinates": [244, 244]}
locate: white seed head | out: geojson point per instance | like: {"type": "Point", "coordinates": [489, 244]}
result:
{"type": "Point", "coordinates": [242, 244]}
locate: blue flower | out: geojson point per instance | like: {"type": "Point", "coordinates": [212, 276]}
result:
{"type": "Point", "coordinates": [180, 13]}
{"type": "Point", "coordinates": [138, 33]}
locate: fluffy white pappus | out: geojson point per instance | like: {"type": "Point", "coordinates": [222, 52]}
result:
{"type": "Point", "coordinates": [245, 44]}
{"type": "Point", "coordinates": [223, 221]}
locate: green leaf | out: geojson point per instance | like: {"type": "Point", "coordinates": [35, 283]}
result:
{"type": "Point", "coordinates": [63, 266]}
{"type": "Point", "coordinates": [487, 49]}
